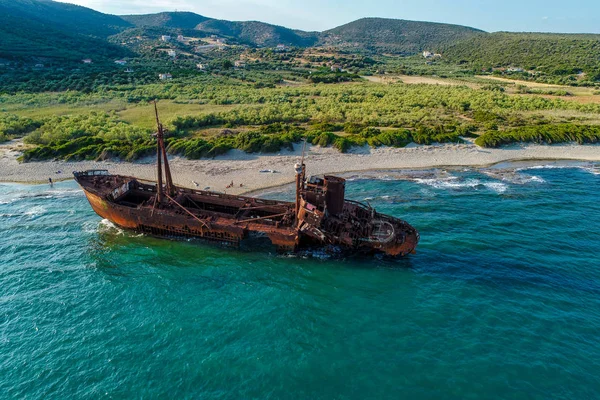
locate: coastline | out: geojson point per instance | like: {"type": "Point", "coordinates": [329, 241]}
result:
{"type": "Point", "coordinates": [263, 171]}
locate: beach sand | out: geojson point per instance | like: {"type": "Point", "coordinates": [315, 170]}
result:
{"type": "Point", "coordinates": [278, 169]}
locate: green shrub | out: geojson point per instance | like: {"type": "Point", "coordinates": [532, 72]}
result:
{"type": "Point", "coordinates": [324, 139]}
{"type": "Point", "coordinates": [548, 134]}
{"type": "Point", "coordinates": [369, 132]}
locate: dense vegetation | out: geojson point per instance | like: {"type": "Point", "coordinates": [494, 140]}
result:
{"type": "Point", "coordinates": [543, 134]}
{"type": "Point", "coordinates": [91, 136]}
{"type": "Point", "coordinates": [555, 58]}
{"type": "Point", "coordinates": [242, 116]}
{"type": "Point", "coordinates": [14, 126]}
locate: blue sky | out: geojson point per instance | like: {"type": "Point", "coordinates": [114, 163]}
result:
{"type": "Point", "coordinates": [508, 15]}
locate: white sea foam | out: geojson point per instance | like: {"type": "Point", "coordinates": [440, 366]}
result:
{"type": "Point", "coordinates": [545, 167]}
{"type": "Point", "coordinates": [386, 178]}
{"type": "Point", "coordinates": [497, 187]}
{"type": "Point", "coordinates": [592, 169]}
{"type": "Point", "coordinates": [522, 179]}
{"type": "Point", "coordinates": [452, 182]}
{"type": "Point", "coordinates": [35, 211]}
{"type": "Point", "coordinates": [536, 179]}
{"type": "Point", "coordinates": [107, 226]}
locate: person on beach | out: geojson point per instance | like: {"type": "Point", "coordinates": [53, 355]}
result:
{"type": "Point", "coordinates": [50, 182]}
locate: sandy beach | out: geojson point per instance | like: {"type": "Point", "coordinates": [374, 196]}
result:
{"type": "Point", "coordinates": [259, 171]}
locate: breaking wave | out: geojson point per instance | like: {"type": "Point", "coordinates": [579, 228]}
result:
{"type": "Point", "coordinates": [454, 183]}
{"type": "Point", "coordinates": [105, 226]}
{"type": "Point", "coordinates": [593, 169]}
{"type": "Point", "coordinates": [34, 212]}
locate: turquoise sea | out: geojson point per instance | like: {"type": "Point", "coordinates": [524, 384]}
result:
{"type": "Point", "coordinates": [502, 299]}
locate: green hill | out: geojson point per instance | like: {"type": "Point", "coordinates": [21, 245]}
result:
{"type": "Point", "coordinates": [259, 33]}
{"type": "Point", "coordinates": [183, 20]}
{"type": "Point", "coordinates": [68, 17]}
{"type": "Point", "coordinates": [395, 35]}
{"type": "Point", "coordinates": [45, 29]}
{"type": "Point", "coordinates": [555, 54]}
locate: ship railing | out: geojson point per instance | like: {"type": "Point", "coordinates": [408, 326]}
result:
{"type": "Point", "coordinates": [358, 203]}
{"type": "Point", "coordinates": [91, 172]}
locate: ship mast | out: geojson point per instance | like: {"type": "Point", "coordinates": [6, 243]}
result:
{"type": "Point", "coordinates": [161, 154]}
{"type": "Point", "coordinates": [300, 173]}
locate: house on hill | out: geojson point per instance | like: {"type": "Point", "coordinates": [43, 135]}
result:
{"type": "Point", "coordinates": [239, 64]}
{"type": "Point", "coordinates": [200, 66]}
{"type": "Point", "coordinates": [180, 38]}
{"type": "Point", "coordinates": [120, 62]}
{"type": "Point", "coordinates": [165, 38]}
{"type": "Point", "coordinates": [87, 61]}
{"type": "Point", "coordinates": [172, 53]}
{"type": "Point", "coordinates": [427, 54]}
{"type": "Point", "coordinates": [165, 77]}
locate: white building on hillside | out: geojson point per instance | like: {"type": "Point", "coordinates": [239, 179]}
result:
{"type": "Point", "coordinates": [165, 38]}
{"type": "Point", "coordinates": [165, 77]}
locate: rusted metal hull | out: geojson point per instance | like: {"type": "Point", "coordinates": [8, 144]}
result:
{"type": "Point", "coordinates": [132, 204]}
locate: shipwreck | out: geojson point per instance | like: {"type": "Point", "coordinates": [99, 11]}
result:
{"type": "Point", "coordinates": [320, 216]}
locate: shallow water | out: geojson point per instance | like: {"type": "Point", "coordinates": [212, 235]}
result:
{"type": "Point", "coordinates": [502, 299]}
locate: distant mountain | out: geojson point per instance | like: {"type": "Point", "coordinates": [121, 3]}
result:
{"type": "Point", "coordinates": [548, 52]}
{"type": "Point", "coordinates": [36, 29]}
{"type": "Point", "coordinates": [47, 29]}
{"type": "Point", "coordinates": [259, 33]}
{"type": "Point", "coordinates": [253, 33]}
{"type": "Point", "coordinates": [182, 20]}
{"type": "Point", "coordinates": [395, 35]}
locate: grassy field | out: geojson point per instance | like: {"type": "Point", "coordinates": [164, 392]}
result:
{"type": "Point", "coordinates": [34, 111]}
{"type": "Point", "coordinates": [142, 115]}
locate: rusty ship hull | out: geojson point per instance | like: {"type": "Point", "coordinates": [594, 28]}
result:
{"type": "Point", "coordinates": [319, 217]}
{"type": "Point", "coordinates": [132, 204]}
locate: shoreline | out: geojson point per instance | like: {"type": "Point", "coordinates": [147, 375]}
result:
{"type": "Point", "coordinates": [257, 172]}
